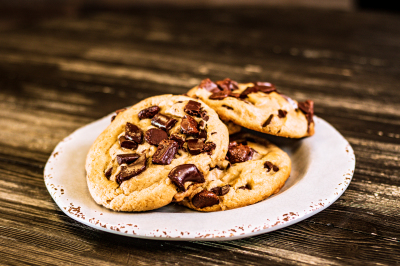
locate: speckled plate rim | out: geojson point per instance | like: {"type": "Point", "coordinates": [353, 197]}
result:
{"type": "Point", "coordinates": [322, 168]}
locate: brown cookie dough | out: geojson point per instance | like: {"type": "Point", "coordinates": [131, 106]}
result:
{"type": "Point", "coordinates": [131, 165]}
{"type": "Point", "coordinates": [257, 106]}
{"type": "Point", "coordinates": [254, 170]}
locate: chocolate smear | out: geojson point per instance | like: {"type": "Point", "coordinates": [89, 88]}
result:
{"type": "Point", "coordinates": [268, 121]}
{"type": "Point", "coordinates": [131, 170]}
{"type": "Point", "coordinates": [127, 158]}
{"type": "Point", "coordinates": [189, 125]}
{"type": "Point", "coordinates": [195, 146]}
{"type": "Point", "coordinates": [193, 108]}
{"type": "Point", "coordinates": [227, 107]}
{"type": "Point", "coordinates": [208, 85]}
{"type": "Point", "coordinates": [127, 144]}
{"type": "Point", "coordinates": [220, 95]}
{"type": "Point", "coordinates": [165, 152]}
{"type": "Point", "coordinates": [205, 199]}
{"type": "Point", "coordinates": [155, 135]}
{"type": "Point", "coordinates": [164, 122]}
{"type": "Point", "coordinates": [185, 173]}
{"type": "Point", "coordinates": [238, 153]}
{"type": "Point", "coordinates": [149, 112]}
{"type": "Point", "coordinates": [268, 165]}
{"type": "Point", "coordinates": [282, 113]}
{"type": "Point", "coordinates": [227, 84]}
{"type": "Point", "coordinates": [220, 191]}
{"type": "Point", "coordinates": [132, 132]}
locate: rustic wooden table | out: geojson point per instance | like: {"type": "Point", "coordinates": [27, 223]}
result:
{"type": "Point", "coordinates": [59, 74]}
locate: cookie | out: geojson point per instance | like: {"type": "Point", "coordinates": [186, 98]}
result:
{"type": "Point", "coordinates": [254, 170]}
{"type": "Point", "coordinates": [257, 106]}
{"type": "Point", "coordinates": [153, 151]}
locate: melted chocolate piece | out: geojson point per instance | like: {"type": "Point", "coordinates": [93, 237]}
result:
{"type": "Point", "coordinates": [257, 88]}
{"type": "Point", "coordinates": [268, 165]}
{"type": "Point", "coordinates": [178, 138]}
{"type": "Point", "coordinates": [209, 147]}
{"type": "Point", "coordinates": [235, 95]}
{"type": "Point", "coordinates": [127, 144]}
{"type": "Point", "coordinates": [108, 172]}
{"type": "Point", "coordinates": [208, 85]}
{"type": "Point", "coordinates": [282, 113]}
{"type": "Point", "coordinates": [195, 146]}
{"type": "Point", "coordinates": [238, 153]}
{"type": "Point", "coordinates": [268, 121]}
{"type": "Point", "coordinates": [307, 108]}
{"type": "Point", "coordinates": [204, 115]}
{"type": "Point", "coordinates": [193, 108]}
{"type": "Point", "coordinates": [154, 136]}
{"type": "Point", "coordinates": [227, 84]}
{"type": "Point", "coordinates": [133, 133]}
{"type": "Point", "coordinates": [131, 170]}
{"type": "Point", "coordinates": [220, 191]}
{"type": "Point", "coordinates": [185, 173]}
{"type": "Point", "coordinates": [202, 124]}
{"type": "Point", "coordinates": [189, 125]}
{"type": "Point", "coordinates": [127, 158]}
{"type": "Point", "coordinates": [164, 122]}
{"type": "Point", "coordinates": [165, 152]}
{"type": "Point", "coordinates": [116, 113]}
{"type": "Point", "coordinates": [205, 199]}
{"type": "Point", "coordinates": [246, 187]}
{"type": "Point", "coordinates": [202, 134]}
{"type": "Point", "coordinates": [149, 112]}
{"type": "Point", "coordinates": [219, 95]}
{"type": "Point", "coordinates": [227, 107]}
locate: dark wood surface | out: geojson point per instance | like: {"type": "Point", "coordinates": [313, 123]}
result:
{"type": "Point", "coordinates": [59, 74]}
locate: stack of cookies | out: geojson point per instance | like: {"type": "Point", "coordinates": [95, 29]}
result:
{"type": "Point", "coordinates": [181, 149]}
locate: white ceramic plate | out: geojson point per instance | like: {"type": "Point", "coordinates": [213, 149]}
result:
{"type": "Point", "coordinates": [322, 168]}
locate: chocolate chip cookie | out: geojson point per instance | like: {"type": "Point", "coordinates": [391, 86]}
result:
{"type": "Point", "coordinates": [153, 151]}
{"type": "Point", "coordinates": [257, 106]}
{"type": "Point", "coordinates": [254, 169]}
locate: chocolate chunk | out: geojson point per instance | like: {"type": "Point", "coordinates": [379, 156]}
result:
{"type": "Point", "coordinates": [246, 187]}
{"type": "Point", "coordinates": [149, 112]}
{"type": "Point", "coordinates": [164, 122]}
{"type": "Point", "coordinates": [220, 191]}
{"type": "Point", "coordinates": [108, 172]}
{"type": "Point", "coordinates": [282, 113]}
{"type": "Point", "coordinates": [235, 95]}
{"type": "Point", "coordinates": [131, 170]}
{"type": "Point", "coordinates": [209, 147]}
{"type": "Point", "coordinates": [113, 118]}
{"type": "Point", "coordinates": [133, 133]}
{"type": "Point", "coordinates": [202, 124]}
{"type": "Point", "coordinates": [257, 88]}
{"type": "Point", "coordinates": [178, 138]}
{"type": "Point", "coordinates": [212, 133]}
{"type": "Point", "coordinates": [185, 173]}
{"type": "Point", "coordinates": [127, 158]}
{"type": "Point", "coordinates": [268, 121]}
{"type": "Point", "coordinates": [202, 134]}
{"type": "Point", "coordinates": [204, 115]}
{"type": "Point", "coordinates": [268, 165]}
{"type": "Point", "coordinates": [307, 108]}
{"type": "Point", "coordinates": [189, 125]}
{"type": "Point", "coordinates": [205, 199]}
{"type": "Point", "coordinates": [247, 91]}
{"type": "Point", "coordinates": [127, 144]}
{"type": "Point", "coordinates": [155, 135]}
{"type": "Point", "coordinates": [227, 107]}
{"type": "Point", "coordinates": [193, 108]}
{"type": "Point", "coordinates": [116, 113]}
{"type": "Point", "coordinates": [227, 84]}
{"type": "Point", "coordinates": [165, 152]}
{"type": "Point", "coordinates": [208, 85]}
{"type": "Point", "coordinates": [238, 153]}
{"type": "Point", "coordinates": [220, 95]}
{"type": "Point", "coordinates": [195, 146]}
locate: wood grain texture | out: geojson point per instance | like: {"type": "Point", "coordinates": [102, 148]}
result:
{"type": "Point", "coordinates": [57, 75]}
